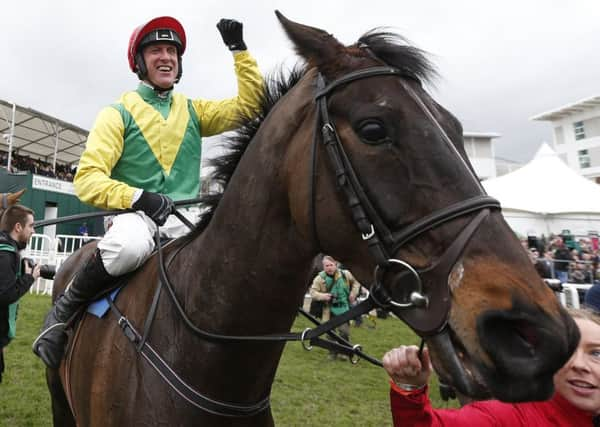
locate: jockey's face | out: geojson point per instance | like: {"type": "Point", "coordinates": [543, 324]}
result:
{"type": "Point", "coordinates": [162, 63]}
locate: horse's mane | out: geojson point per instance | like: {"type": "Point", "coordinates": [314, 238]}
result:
{"type": "Point", "coordinates": [391, 48]}
{"type": "Point", "coordinates": [235, 144]}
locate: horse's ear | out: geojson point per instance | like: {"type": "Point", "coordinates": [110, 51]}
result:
{"type": "Point", "coordinates": [15, 197]}
{"type": "Point", "coordinates": [316, 46]}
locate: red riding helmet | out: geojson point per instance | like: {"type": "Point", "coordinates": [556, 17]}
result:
{"type": "Point", "coordinates": [163, 29]}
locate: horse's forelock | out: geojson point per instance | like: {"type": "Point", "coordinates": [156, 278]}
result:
{"type": "Point", "coordinates": [396, 51]}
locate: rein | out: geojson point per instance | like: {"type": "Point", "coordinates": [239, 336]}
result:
{"type": "Point", "coordinates": [86, 215]}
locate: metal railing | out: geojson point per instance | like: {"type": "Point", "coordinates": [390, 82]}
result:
{"type": "Point", "coordinates": [580, 275]}
{"type": "Point", "coordinates": [588, 272]}
{"type": "Point", "coordinates": [569, 297]}
{"type": "Point", "coordinates": [43, 249]}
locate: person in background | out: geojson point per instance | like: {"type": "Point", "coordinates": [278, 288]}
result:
{"type": "Point", "coordinates": [582, 273]}
{"type": "Point", "coordinates": [338, 289]}
{"type": "Point", "coordinates": [84, 232]}
{"type": "Point", "coordinates": [363, 293]}
{"type": "Point", "coordinates": [575, 403]}
{"type": "Point", "coordinates": [143, 152]}
{"type": "Point", "coordinates": [542, 264]}
{"type": "Point", "coordinates": [562, 259]}
{"type": "Point", "coordinates": [16, 277]}
{"type": "Point", "coordinates": [524, 243]}
{"type": "Point", "coordinates": [592, 298]}
{"type": "Point", "coordinates": [83, 229]}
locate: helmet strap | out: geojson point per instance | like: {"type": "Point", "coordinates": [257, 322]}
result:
{"type": "Point", "coordinates": [179, 68]}
{"type": "Point", "coordinates": [140, 66]}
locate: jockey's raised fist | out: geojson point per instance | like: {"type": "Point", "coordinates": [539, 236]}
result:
{"type": "Point", "coordinates": [232, 33]}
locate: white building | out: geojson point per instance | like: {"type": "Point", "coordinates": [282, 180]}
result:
{"type": "Point", "coordinates": [480, 150]}
{"type": "Point", "coordinates": [577, 135]}
{"type": "Point", "coordinates": [533, 209]}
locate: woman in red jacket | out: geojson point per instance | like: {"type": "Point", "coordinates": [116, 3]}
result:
{"type": "Point", "coordinates": [576, 400]}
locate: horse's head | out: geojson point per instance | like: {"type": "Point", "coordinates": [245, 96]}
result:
{"type": "Point", "coordinates": [390, 161]}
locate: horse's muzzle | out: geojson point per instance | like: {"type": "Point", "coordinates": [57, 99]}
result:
{"type": "Point", "coordinates": [526, 346]}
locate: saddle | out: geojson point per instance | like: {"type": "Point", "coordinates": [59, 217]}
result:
{"type": "Point", "coordinates": [100, 306]}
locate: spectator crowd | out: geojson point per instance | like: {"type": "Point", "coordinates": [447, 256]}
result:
{"type": "Point", "coordinates": [575, 262]}
{"type": "Point", "coordinates": [27, 164]}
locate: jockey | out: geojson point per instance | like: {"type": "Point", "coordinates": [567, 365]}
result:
{"type": "Point", "coordinates": [143, 152]}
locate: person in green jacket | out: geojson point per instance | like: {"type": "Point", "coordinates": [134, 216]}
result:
{"type": "Point", "coordinates": [144, 152]}
{"type": "Point", "coordinates": [16, 228]}
{"type": "Point", "coordinates": [338, 289]}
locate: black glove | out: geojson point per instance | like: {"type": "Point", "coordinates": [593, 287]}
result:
{"type": "Point", "coordinates": [231, 31]}
{"type": "Point", "coordinates": [156, 206]}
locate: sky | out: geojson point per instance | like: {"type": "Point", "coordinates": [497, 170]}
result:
{"type": "Point", "coordinates": [500, 62]}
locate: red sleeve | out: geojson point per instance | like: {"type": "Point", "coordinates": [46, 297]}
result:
{"type": "Point", "coordinates": [414, 409]}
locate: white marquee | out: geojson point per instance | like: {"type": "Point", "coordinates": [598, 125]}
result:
{"type": "Point", "coordinates": [546, 196]}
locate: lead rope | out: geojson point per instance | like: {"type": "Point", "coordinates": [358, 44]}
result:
{"type": "Point", "coordinates": [421, 347]}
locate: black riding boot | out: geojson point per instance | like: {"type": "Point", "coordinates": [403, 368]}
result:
{"type": "Point", "coordinates": [90, 281]}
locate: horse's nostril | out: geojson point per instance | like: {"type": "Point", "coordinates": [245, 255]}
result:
{"type": "Point", "coordinates": [527, 332]}
{"type": "Point", "coordinates": [519, 335]}
{"type": "Point", "coordinates": [524, 346]}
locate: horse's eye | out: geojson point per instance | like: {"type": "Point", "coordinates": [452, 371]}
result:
{"type": "Point", "coordinates": [372, 132]}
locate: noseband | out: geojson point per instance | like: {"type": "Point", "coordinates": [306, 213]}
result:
{"type": "Point", "coordinates": [427, 307]}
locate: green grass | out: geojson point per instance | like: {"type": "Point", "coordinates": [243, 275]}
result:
{"type": "Point", "coordinates": [309, 390]}
{"type": "Point", "coordinates": [24, 400]}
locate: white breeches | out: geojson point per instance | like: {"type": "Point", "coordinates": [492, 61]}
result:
{"type": "Point", "coordinates": [130, 239]}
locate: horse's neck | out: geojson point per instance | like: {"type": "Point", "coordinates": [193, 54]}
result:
{"type": "Point", "coordinates": [245, 275]}
{"type": "Point", "coordinates": [252, 238]}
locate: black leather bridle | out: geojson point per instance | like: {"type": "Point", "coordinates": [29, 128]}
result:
{"type": "Point", "coordinates": [426, 310]}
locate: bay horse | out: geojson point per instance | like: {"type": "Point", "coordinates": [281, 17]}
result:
{"type": "Point", "coordinates": [350, 157]}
